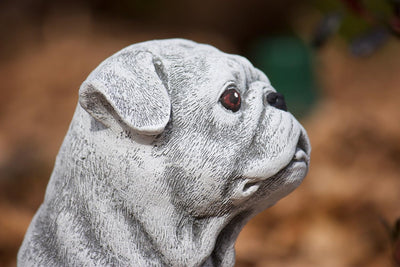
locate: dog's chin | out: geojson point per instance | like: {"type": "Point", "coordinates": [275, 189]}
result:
{"type": "Point", "coordinates": [265, 195]}
{"type": "Point", "coordinates": [297, 168]}
{"type": "Point", "coordinates": [291, 175]}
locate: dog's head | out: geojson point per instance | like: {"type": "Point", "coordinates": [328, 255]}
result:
{"type": "Point", "coordinates": [225, 132]}
{"type": "Point", "coordinates": [223, 135]}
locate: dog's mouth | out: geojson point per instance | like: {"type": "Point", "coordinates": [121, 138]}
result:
{"type": "Point", "coordinates": [300, 159]}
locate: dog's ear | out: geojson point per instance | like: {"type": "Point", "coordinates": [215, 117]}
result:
{"type": "Point", "coordinates": [128, 89]}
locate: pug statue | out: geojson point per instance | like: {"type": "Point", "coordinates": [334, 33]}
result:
{"type": "Point", "coordinates": [173, 147]}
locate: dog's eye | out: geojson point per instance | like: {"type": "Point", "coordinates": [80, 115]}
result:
{"type": "Point", "coordinates": [230, 99]}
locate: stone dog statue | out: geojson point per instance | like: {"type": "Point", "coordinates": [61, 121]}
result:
{"type": "Point", "coordinates": [173, 147]}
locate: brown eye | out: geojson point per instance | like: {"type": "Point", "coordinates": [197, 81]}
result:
{"type": "Point", "coordinates": [230, 99]}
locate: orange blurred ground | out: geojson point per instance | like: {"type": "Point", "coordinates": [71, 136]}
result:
{"type": "Point", "coordinates": [335, 218]}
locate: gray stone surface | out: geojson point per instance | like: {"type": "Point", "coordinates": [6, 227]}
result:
{"type": "Point", "coordinates": [155, 171]}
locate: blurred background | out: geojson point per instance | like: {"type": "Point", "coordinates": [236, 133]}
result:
{"type": "Point", "coordinates": [336, 61]}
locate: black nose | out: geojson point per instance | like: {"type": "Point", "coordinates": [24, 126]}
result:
{"type": "Point", "coordinates": [277, 100]}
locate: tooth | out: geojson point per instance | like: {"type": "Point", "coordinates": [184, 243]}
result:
{"type": "Point", "coordinates": [300, 155]}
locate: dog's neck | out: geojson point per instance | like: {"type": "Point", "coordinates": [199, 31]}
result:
{"type": "Point", "coordinates": [147, 234]}
{"type": "Point", "coordinates": [121, 229]}
{"type": "Point", "coordinates": [175, 240]}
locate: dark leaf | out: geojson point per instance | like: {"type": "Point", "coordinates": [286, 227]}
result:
{"type": "Point", "coordinates": [327, 27]}
{"type": "Point", "coordinates": [369, 42]}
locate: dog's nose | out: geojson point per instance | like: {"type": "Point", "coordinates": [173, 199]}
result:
{"type": "Point", "coordinates": [276, 100]}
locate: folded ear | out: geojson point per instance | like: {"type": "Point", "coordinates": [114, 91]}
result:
{"type": "Point", "coordinates": [128, 88]}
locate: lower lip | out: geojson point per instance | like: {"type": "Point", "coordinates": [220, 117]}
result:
{"type": "Point", "coordinates": [298, 163]}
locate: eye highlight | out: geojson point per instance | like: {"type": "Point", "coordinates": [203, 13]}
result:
{"type": "Point", "coordinates": [231, 100]}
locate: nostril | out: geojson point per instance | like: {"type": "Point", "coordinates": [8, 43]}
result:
{"type": "Point", "coordinates": [277, 100]}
